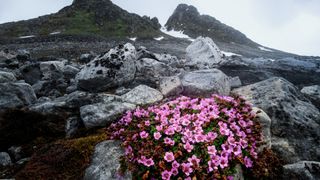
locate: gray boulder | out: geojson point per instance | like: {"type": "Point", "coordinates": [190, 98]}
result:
{"type": "Point", "coordinates": [101, 114]}
{"type": "Point", "coordinates": [31, 73]}
{"type": "Point", "coordinates": [205, 82]}
{"type": "Point", "coordinates": [306, 170]}
{"type": "Point", "coordinates": [7, 77]}
{"type": "Point", "coordinates": [150, 71]}
{"type": "Point", "coordinates": [313, 92]}
{"type": "Point", "coordinates": [170, 86]}
{"type": "Point", "coordinates": [203, 53]}
{"type": "Point", "coordinates": [295, 121]}
{"type": "Point", "coordinates": [105, 162]}
{"type": "Point", "coordinates": [52, 69]}
{"type": "Point", "coordinates": [235, 82]}
{"type": "Point", "coordinates": [110, 70]}
{"type": "Point", "coordinates": [5, 159]}
{"type": "Point", "coordinates": [14, 95]}
{"type": "Point", "coordinates": [142, 95]}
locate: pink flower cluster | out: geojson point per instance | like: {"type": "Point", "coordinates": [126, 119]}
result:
{"type": "Point", "coordinates": [185, 135]}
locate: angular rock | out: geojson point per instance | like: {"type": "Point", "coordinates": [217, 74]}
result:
{"type": "Point", "coordinates": [149, 71]}
{"type": "Point", "coordinates": [23, 55]}
{"type": "Point", "coordinates": [69, 102]}
{"type": "Point", "coordinates": [70, 71]}
{"type": "Point", "coordinates": [203, 53]}
{"type": "Point", "coordinates": [235, 82]}
{"type": "Point", "coordinates": [16, 152]}
{"type": "Point", "coordinates": [85, 58]}
{"type": "Point", "coordinates": [7, 77]}
{"type": "Point", "coordinates": [306, 170]}
{"type": "Point", "coordinates": [295, 121]}
{"type": "Point", "coordinates": [265, 122]}
{"type": "Point", "coordinates": [31, 72]}
{"type": "Point", "coordinates": [142, 52]}
{"type": "Point", "coordinates": [72, 126]}
{"type": "Point", "coordinates": [142, 95]}
{"type": "Point", "coordinates": [170, 86]}
{"type": "Point", "coordinates": [52, 69]}
{"type": "Point", "coordinates": [105, 162]}
{"type": "Point", "coordinates": [205, 83]}
{"type": "Point", "coordinates": [313, 92]}
{"type": "Point", "coordinates": [5, 159]}
{"type": "Point", "coordinates": [110, 70]}
{"type": "Point", "coordinates": [14, 95]}
{"type": "Point", "coordinates": [101, 114]}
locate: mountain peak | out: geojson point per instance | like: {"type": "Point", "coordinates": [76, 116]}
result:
{"type": "Point", "coordinates": [186, 18]}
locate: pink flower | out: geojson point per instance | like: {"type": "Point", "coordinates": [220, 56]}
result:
{"type": "Point", "coordinates": [243, 143]}
{"type": "Point", "coordinates": [223, 163]}
{"type": "Point", "coordinates": [174, 171]}
{"type": "Point", "coordinates": [169, 157]}
{"type": "Point", "coordinates": [186, 168]}
{"type": "Point", "coordinates": [211, 136]}
{"type": "Point", "coordinates": [212, 150]}
{"type": "Point", "coordinates": [188, 147]}
{"type": "Point", "coordinates": [178, 128]}
{"type": "Point", "coordinates": [166, 175]}
{"type": "Point", "coordinates": [224, 131]}
{"type": "Point", "coordinates": [144, 134]}
{"type": "Point", "coordinates": [147, 123]}
{"type": "Point", "coordinates": [168, 141]}
{"type": "Point", "coordinates": [169, 131]}
{"type": "Point", "coordinates": [175, 164]}
{"type": "Point", "coordinates": [227, 148]}
{"type": "Point", "coordinates": [185, 122]}
{"type": "Point", "coordinates": [128, 150]}
{"type": "Point", "coordinates": [237, 150]}
{"type": "Point", "coordinates": [159, 128]}
{"type": "Point", "coordinates": [247, 162]}
{"type": "Point", "coordinates": [157, 135]}
{"type": "Point", "coordinates": [194, 161]}
{"type": "Point", "coordinates": [199, 138]}
{"type": "Point", "coordinates": [148, 162]}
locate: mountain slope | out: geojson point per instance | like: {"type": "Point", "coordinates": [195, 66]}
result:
{"type": "Point", "coordinates": [187, 19]}
{"type": "Point", "coordinates": [98, 17]}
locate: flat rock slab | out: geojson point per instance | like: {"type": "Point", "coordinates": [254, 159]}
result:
{"type": "Point", "coordinates": [105, 162]}
{"type": "Point", "coordinates": [101, 114]}
{"type": "Point", "coordinates": [204, 83]}
{"type": "Point", "coordinates": [142, 95]}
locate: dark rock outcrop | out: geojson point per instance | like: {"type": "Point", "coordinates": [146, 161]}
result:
{"type": "Point", "coordinates": [295, 122]}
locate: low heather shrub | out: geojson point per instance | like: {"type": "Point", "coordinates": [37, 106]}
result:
{"type": "Point", "coordinates": [188, 138]}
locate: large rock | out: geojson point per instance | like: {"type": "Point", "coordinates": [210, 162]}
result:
{"type": "Point", "coordinates": [205, 82]}
{"type": "Point", "coordinates": [306, 170]}
{"type": "Point", "coordinates": [5, 159]}
{"type": "Point", "coordinates": [149, 71]}
{"type": "Point", "coordinates": [142, 95]}
{"type": "Point", "coordinates": [295, 121]}
{"type": "Point", "coordinates": [72, 101]}
{"type": "Point", "coordinates": [203, 53]}
{"type": "Point", "coordinates": [14, 95]}
{"type": "Point", "coordinates": [52, 69]}
{"type": "Point", "coordinates": [112, 69]}
{"type": "Point", "coordinates": [105, 162]}
{"type": "Point", "coordinates": [313, 92]}
{"type": "Point", "coordinates": [31, 73]}
{"type": "Point", "coordinates": [101, 114]}
{"type": "Point", "coordinates": [7, 77]}
{"type": "Point", "coordinates": [170, 86]}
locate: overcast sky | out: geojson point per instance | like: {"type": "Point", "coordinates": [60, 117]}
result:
{"type": "Point", "coordinates": [289, 25]}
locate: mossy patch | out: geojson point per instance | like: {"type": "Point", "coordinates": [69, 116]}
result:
{"type": "Point", "coordinates": [64, 159]}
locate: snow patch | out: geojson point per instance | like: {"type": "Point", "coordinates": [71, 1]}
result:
{"type": "Point", "coordinates": [133, 38]}
{"type": "Point", "coordinates": [159, 38]}
{"type": "Point", "coordinates": [177, 34]}
{"type": "Point", "coordinates": [25, 37]}
{"type": "Point", "coordinates": [265, 49]}
{"type": "Point", "coordinates": [228, 54]}
{"type": "Point", "coordinates": [55, 32]}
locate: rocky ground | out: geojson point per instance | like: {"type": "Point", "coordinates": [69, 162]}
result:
{"type": "Point", "coordinates": [56, 98]}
